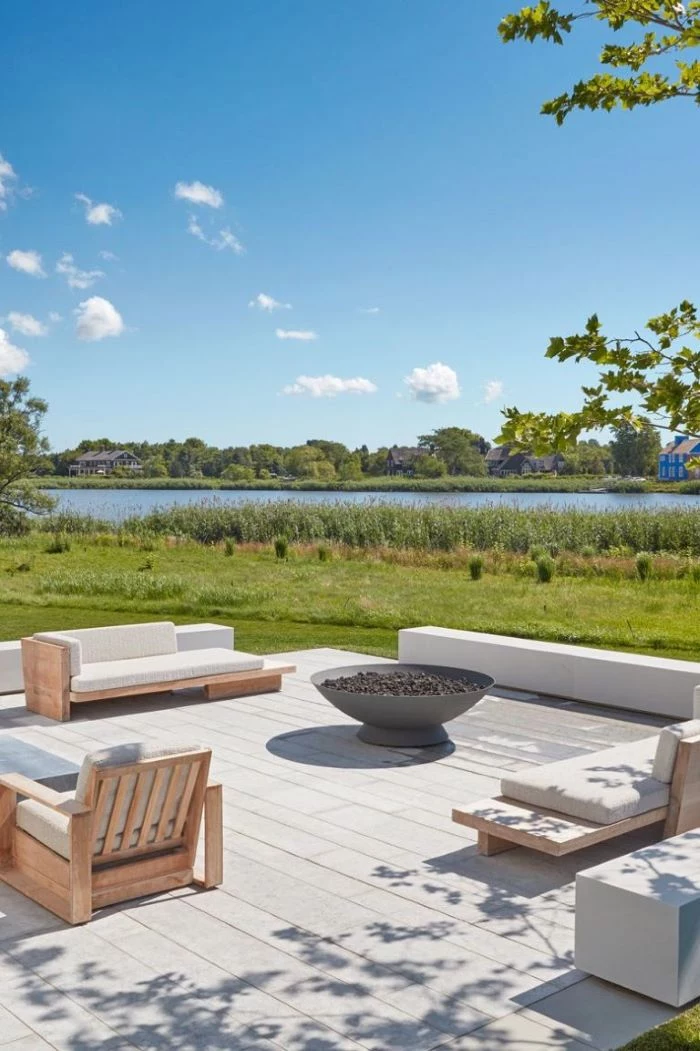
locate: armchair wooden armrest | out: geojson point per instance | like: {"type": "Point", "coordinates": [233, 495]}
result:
{"type": "Point", "coordinates": [24, 786]}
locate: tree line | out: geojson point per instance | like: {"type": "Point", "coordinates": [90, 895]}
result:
{"type": "Point", "coordinates": [444, 451]}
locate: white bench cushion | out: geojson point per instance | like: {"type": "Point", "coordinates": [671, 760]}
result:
{"type": "Point", "coordinates": [46, 825]}
{"type": "Point", "coordinates": [168, 667]}
{"type": "Point", "coordinates": [667, 750]}
{"type": "Point", "coordinates": [602, 787]}
{"type": "Point", "coordinates": [120, 642]}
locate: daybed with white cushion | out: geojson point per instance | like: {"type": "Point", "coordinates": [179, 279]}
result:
{"type": "Point", "coordinates": [565, 806]}
{"type": "Point", "coordinates": [93, 664]}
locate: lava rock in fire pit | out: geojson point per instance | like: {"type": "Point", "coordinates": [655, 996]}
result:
{"type": "Point", "coordinates": [402, 705]}
{"type": "Point", "coordinates": [402, 684]}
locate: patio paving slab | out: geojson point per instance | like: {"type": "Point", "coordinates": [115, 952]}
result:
{"type": "Point", "coordinates": [353, 915]}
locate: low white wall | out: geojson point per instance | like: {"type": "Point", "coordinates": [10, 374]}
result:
{"type": "Point", "coordinates": [622, 680]}
{"type": "Point", "coordinates": [189, 637]}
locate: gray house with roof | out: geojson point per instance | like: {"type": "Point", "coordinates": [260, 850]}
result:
{"type": "Point", "coordinates": [104, 462]}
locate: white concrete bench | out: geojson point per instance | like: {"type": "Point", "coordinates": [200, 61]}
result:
{"type": "Point", "coordinates": [621, 680]}
{"type": "Point", "coordinates": [638, 920]}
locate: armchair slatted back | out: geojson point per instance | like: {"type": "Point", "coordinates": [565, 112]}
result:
{"type": "Point", "coordinates": [143, 803]}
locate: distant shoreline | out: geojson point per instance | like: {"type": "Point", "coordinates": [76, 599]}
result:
{"type": "Point", "coordinates": [562, 484]}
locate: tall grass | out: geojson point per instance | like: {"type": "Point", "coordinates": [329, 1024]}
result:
{"type": "Point", "coordinates": [419, 527]}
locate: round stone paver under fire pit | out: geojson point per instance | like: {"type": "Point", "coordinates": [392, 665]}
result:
{"type": "Point", "coordinates": [402, 705]}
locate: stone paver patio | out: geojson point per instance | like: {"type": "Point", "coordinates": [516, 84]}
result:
{"type": "Point", "coordinates": [353, 915]}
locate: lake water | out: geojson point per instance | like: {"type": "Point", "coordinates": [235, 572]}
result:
{"type": "Point", "coordinates": [117, 504]}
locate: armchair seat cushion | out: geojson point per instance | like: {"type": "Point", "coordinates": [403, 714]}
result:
{"type": "Point", "coordinates": [165, 667]}
{"type": "Point", "coordinates": [602, 787]}
{"type": "Point", "coordinates": [46, 825]}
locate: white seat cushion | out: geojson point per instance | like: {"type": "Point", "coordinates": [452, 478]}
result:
{"type": "Point", "coordinates": [602, 787]}
{"type": "Point", "coordinates": [46, 825]}
{"type": "Point", "coordinates": [167, 667]}
{"type": "Point", "coordinates": [667, 750]}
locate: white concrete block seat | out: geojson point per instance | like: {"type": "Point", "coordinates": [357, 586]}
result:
{"type": "Point", "coordinates": [638, 920]}
{"type": "Point", "coordinates": [90, 664]}
{"type": "Point", "coordinates": [565, 806]}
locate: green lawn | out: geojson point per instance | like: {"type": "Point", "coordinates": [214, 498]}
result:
{"type": "Point", "coordinates": [682, 1034]}
{"type": "Point", "coordinates": [352, 603]}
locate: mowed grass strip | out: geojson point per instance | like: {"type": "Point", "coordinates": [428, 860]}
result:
{"type": "Point", "coordinates": [303, 601]}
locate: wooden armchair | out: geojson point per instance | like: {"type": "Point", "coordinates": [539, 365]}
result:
{"type": "Point", "coordinates": [131, 828]}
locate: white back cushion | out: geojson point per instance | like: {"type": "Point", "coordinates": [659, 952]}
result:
{"type": "Point", "coordinates": [667, 748]}
{"type": "Point", "coordinates": [115, 643]}
{"type": "Point", "coordinates": [61, 638]}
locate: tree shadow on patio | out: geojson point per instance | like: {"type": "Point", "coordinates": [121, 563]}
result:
{"type": "Point", "coordinates": [339, 746]}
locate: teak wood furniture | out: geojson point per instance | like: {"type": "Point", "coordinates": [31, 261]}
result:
{"type": "Point", "coordinates": [130, 829]}
{"type": "Point", "coordinates": [95, 664]}
{"type": "Point", "coordinates": [503, 823]}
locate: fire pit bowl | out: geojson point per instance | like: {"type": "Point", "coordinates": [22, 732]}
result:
{"type": "Point", "coordinates": [402, 705]}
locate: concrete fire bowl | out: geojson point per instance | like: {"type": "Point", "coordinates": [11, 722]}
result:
{"type": "Point", "coordinates": [398, 720]}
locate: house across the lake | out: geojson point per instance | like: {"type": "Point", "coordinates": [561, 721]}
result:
{"type": "Point", "coordinates": [104, 462]}
{"type": "Point", "coordinates": [401, 460]}
{"type": "Point", "coordinates": [674, 457]}
{"type": "Point", "coordinates": [502, 463]}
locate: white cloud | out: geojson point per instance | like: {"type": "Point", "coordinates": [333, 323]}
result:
{"type": "Point", "coordinates": [76, 277]}
{"type": "Point", "coordinates": [493, 389]}
{"type": "Point", "coordinates": [97, 318]}
{"type": "Point", "coordinates": [329, 386]}
{"type": "Point", "coordinates": [368, 310]}
{"type": "Point", "coordinates": [12, 359]}
{"type": "Point", "coordinates": [436, 383]}
{"type": "Point", "coordinates": [26, 262]}
{"type": "Point", "coordinates": [264, 302]}
{"type": "Point", "coordinates": [305, 335]}
{"type": "Point", "coordinates": [98, 214]}
{"type": "Point", "coordinates": [26, 324]}
{"type": "Point", "coordinates": [8, 182]}
{"type": "Point", "coordinates": [224, 239]}
{"type": "Point", "coordinates": [198, 193]}
{"type": "Point", "coordinates": [109, 257]}
{"type": "Point", "coordinates": [53, 316]}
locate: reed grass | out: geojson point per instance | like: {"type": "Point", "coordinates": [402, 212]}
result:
{"type": "Point", "coordinates": [417, 527]}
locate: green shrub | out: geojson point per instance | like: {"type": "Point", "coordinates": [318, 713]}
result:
{"type": "Point", "coordinates": [58, 545]}
{"type": "Point", "coordinates": [476, 567]}
{"type": "Point", "coordinates": [281, 547]}
{"type": "Point", "coordinates": [544, 568]}
{"type": "Point", "coordinates": [537, 551]}
{"type": "Point", "coordinates": [324, 553]}
{"type": "Point", "coordinates": [588, 551]}
{"type": "Point", "coordinates": [644, 565]}
{"type": "Point", "coordinates": [229, 546]}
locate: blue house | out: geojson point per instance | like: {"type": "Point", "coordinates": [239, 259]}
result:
{"type": "Point", "coordinates": [673, 459]}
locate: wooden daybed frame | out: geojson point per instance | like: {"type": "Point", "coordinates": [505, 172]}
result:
{"type": "Point", "coordinates": [46, 670]}
{"type": "Point", "coordinates": [503, 824]}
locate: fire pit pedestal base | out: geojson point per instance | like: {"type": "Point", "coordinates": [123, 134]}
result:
{"type": "Point", "coordinates": [402, 719]}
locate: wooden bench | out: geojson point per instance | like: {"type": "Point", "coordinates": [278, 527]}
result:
{"type": "Point", "coordinates": [52, 667]}
{"type": "Point", "coordinates": [503, 824]}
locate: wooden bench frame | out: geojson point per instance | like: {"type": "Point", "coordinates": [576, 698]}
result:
{"type": "Point", "coordinates": [513, 824]}
{"type": "Point", "coordinates": [46, 668]}
{"type": "Point", "coordinates": [93, 879]}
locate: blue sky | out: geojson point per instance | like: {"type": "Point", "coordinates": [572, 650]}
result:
{"type": "Point", "coordinates": [372, 155]}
